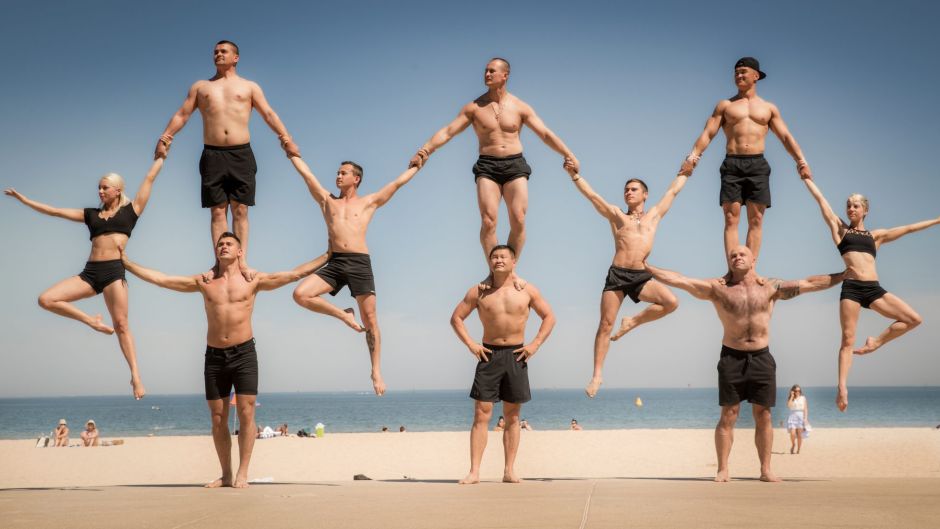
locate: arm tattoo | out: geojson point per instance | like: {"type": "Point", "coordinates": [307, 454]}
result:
{"type": "Point", "coordinates": [785, 291]}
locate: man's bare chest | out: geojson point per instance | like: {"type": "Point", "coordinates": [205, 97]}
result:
{"type": "Point", "coordinates": [748, 112]}
{"type": "Point", "coordinates": [745, 300]}
{"type": "Point", "coordinates": [492, 117]}
{"type": "Point", "coordinates": [217, 98]}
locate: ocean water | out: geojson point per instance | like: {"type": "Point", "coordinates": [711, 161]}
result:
{"type": "Point", "coordinates": [550, 409]}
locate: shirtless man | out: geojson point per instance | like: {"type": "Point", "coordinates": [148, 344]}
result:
{"type": "Point", "coordinates": [501, 172]}
{"type": "Point", "coordinates": [745, 174]}
{"type": "Point", "coordinates": [502, 372]}
{"type": "Point", "coordinates": [227, 164]}
{"type": "Point", "coordinates": [347, 218]}
{"type": "Point", "coordinates": [746, 369]}
{"type": "Point", "coordinates": [633, 233]}
{"type": "Point", "coordinates": [231, 359]}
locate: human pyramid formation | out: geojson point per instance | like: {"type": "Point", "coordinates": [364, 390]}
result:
{"type": "Point", "coordinates": [743, 300]}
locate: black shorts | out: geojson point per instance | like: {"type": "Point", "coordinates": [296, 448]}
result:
{"type": "Point", "coordinates": [501, 169]}
{"type": "Point", "coordinates": [502, 377]}
{"type": "Point", "coordinates": [747, 375]}
{"type": "Point", "coordinates": [745, 177]}
{"type": "Point", "coordinates": [233, 366]}
{"type": "Point", "coordinates": [862, 292]}
{"type": "Point", "coordinates": [100, 274]}
{"type": "Point", "coordinates": [630, 282]}
{"type": "Point", "coordinates": [228, 173]}
{"type": "Point", "coordinates": [353, 269]}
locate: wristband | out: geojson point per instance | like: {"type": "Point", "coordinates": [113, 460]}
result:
{"type": "Point", "coordinates": [576, 179]}
{"type": "Point", "coordinates": [166, 139]}
{"type": "Point", "coordinates": [801, 163]}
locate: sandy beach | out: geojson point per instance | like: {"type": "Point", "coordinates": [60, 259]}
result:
{"type": "Point", "coordinates": [873, 477]}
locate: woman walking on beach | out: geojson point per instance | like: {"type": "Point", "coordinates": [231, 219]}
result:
{"type": "Point", "coordinates": [861, 289]}
{"type": "Point", "coordinates": [798, 419]}
{"type": "Point", "coordinates": [110, 225]}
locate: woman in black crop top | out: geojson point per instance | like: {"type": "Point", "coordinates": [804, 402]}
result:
{"type": "Point", "coordinates": [110, 226]}
{"type": "Point", "coordinates": [861, 289]}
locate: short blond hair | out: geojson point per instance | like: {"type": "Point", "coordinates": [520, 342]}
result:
{"type": "Point", "coordinates": [116, 180]}
{"type": "Point", "coordinates": [859, 197]}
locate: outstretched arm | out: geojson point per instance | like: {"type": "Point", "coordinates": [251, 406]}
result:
{"type": "Point", "coordinates": [789, 142]}
{"type": "Point", "coordinates": [143, 192]}
{"type": "Point", "coordinates": [270, 117]}
{"type": "Point", "coordinates": [463, 309]}
{"type": "Point", "coordinates": [544, 310]}
{"type": "Point", "coordinates": [318, 192]}
{"type": "Point", "coordinates": [177, 122]}
{"type": "Point", "coordinates": [534, 122]}
{"type": "Point", "coordinates": [455, 127]}
{"type": "Point", "coordinates": [829, 217]}
{"type": "Point", "coordinates": [77, 215]}
{"type": "Point", "coordinates": [606, 209]}
{"type": "Point", "coordinates": [712, 126]}
{"type": "Point", "coordinates": [893, 234]}
{"type": "Point", "coordinates": [665, 203]}
{"type": "Point", "coordinates": [385, 194]}
{"type": "Point", "coordinates": [177, 283]}
{"type": "Point", "coordinates": [700, 288]}
{"type": "Point", "coordinates": [279, 279]}
{"type": "Point", "coordinates": [791, 289]}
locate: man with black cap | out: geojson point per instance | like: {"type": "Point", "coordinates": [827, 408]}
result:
{"type": "Point", "coordinates": [745, 174]}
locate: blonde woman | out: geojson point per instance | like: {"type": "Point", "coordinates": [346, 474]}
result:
{"type": "Point", "coordinates": [861, 288]}
{"type": "Point", "coordinates": [110, 226]}
{"type": "Point", "coordinates": [798, 419]}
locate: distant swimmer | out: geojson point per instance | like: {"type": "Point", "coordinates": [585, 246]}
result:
{"type": "Point", "coordinates": [746, 370]}
{"type": "Point", "coordinates": [633, 231]}
{"type": "Point", "coordinates": [861, 289]}
{"type": "Point", "coordinates": [502, 371]}
{"type": "Point", "coordinates": [745, 174]}
{"type": "Point", "coordinates": [347, 219]}
{"type": "Point", "coordinates": [231, 360]}
{"type": "Point", "coordinates": [501, 172]}
{"type": "Point", "coordinates": [110, 226]}
{"type": "Point", "coordinates": [227, 165]}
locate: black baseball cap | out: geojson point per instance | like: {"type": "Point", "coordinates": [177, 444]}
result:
{"type": "Point", "coordinates": [750, 62]}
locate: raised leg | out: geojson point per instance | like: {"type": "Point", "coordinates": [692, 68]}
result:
{"type": "Point", "coordinates": [662, 302]}
{"type": "Point", "coordinates": [724, 438]}
{"type": "Point", "coordinates": [610, 304]}
{"type": "Point", "coordinates": [59, 297]}
{"type": "Point", "coordinates": [308, 295]}
{"type": "Point", "coordinates": [764, 440]}
{"type": "Point", "coordinates": [373, 339]}
{"type": "Point", "coordinates": [892, 307]}
{"type": "Point", "coordinates": [482, 411]}
{"type": "Point", "coordinates": [511, 412]}
{"type": "Point", "coordinates": [218, 413]}
{"type": "Point", "coordinates": [115, 297]}
{"type": "Point", "coordinates": [848, 319]}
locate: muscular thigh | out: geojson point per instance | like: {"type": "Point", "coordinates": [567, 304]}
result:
{"type": "Point", "coordinates": [313, 285]}
{"type": "Point", "coordinates": [71, 289]}
{"type": "Point", "coordinates": [516, 193]}
{"type": "Point", "coordinates": [891, 306]}
{"type": "Point", "coordinates": [488, 196]}
{"type": "Point", "coordinates": [656, 292]}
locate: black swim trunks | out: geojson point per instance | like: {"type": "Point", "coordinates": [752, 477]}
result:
{"type": "Point", "coordinates": [502, 377]}
{"type": "Point", "coordinates": [862, 292]}
{"type": "Point", "coordinates": [501, 169]}
{"type": "Point", "coordinates": [353, 269]}
{"type": "Point", "coordinates": [745, 177]}
{"type": "Point", "coordinates": [100, 274]}
{"type": "Point", "coordinates": [747, 375]}
{"type": "Point", "coordinates": [628, 281]}
{"type": "Point", "coordinates": [228, 173]}
{"type": "Point", "coordinates": [232, 366]}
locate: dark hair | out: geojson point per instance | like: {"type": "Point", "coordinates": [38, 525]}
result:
{"type": "Point", "coordinates": [512, 251]}
{"type": "Point", "coordinates": [357, 169]}
{"type": "Point", "coordinates": [502, 60]}
{"type": "Point", "coordinates": [229, 235]}
{"type": "Point", "coordinates": [230, 43]}
{"type": "Point", "coordinates": [637, 180]}
{"type": "Point", "coordinates": [501, 418]}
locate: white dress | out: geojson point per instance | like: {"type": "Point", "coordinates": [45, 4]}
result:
{"type": "Point", "coordinates": [797, 407]}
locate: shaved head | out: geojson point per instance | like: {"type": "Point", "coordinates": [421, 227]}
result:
{"type": "Point", "coordinates": [503, 61]}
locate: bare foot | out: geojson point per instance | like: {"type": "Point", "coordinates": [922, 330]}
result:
{"type": "Point", "coordinates": [241, 483]}
{"type": "Point", "coordinates": [139, 390]}
{"type": "Point", "coordinates": [593, 387]}
{"type": "Point", "coordinates": [842, 399]}
{"type": "Point", "coordinates": [98, 324]}
{"type": "Point", "coordinates": [722, 477]}
{"type": "Point", "coordinates": [871, 344]}
{"type": "Point", "coordinates": [221, 482]}
{"type": "Point", "coordinates": [626, 325]}
{"type": "Point", "coordinates": [471, 479]}
{"type": "Point", "coordinates": [792, 450]}
{"type": "Point", "coordinates": [378, 384]}
{"type": "Point", "coordinates": [769, 477]}
{"type": "Point", "coordinates": [511, 478]}
{"type": "Point", "coordinates": [350, 320]}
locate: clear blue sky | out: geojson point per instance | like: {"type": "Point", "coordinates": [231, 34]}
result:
{"type": "Point", "coordinates": [88, 87]}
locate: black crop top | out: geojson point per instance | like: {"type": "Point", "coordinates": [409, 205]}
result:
{"type": "Point", "coordinates": [857, 241]}
{"type": "Point", "coordinates": [122, 222]}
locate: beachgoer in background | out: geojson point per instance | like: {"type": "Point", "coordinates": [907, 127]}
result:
{"type": "Point", "coordinates": [110, 226]}
{"type": "Point", "coordinates": [347, 218]}
{"type": "Point", "coordinates": [575, 425]}
{"type": "Point", "coordinates": [745, 174]}
{"type": "Point", "coordinates": [401, 429]}
{"type": "Point", "coordinates": [524, 425]}
{"type": "Point", "coordinates": [62, 434]}
{"type": "Point", "coordinates": [90, 435]}
{"type": "Point", "coordinates": [282, 430]}
{"type": "Point", "coordinates": [746, 371]}
{"type": "Point", "coordinates": [798, 419]}
{"type": "Point", "coordinates": [861, 288]}
{"type": "Point", "coordinates": [500, 424]}
{"type": "Point", "coordinates": [230, 359]}
{"type": "Point", "coordinates": [502, 371]}
{"type": "Point", "coordinates": [385, 429]}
